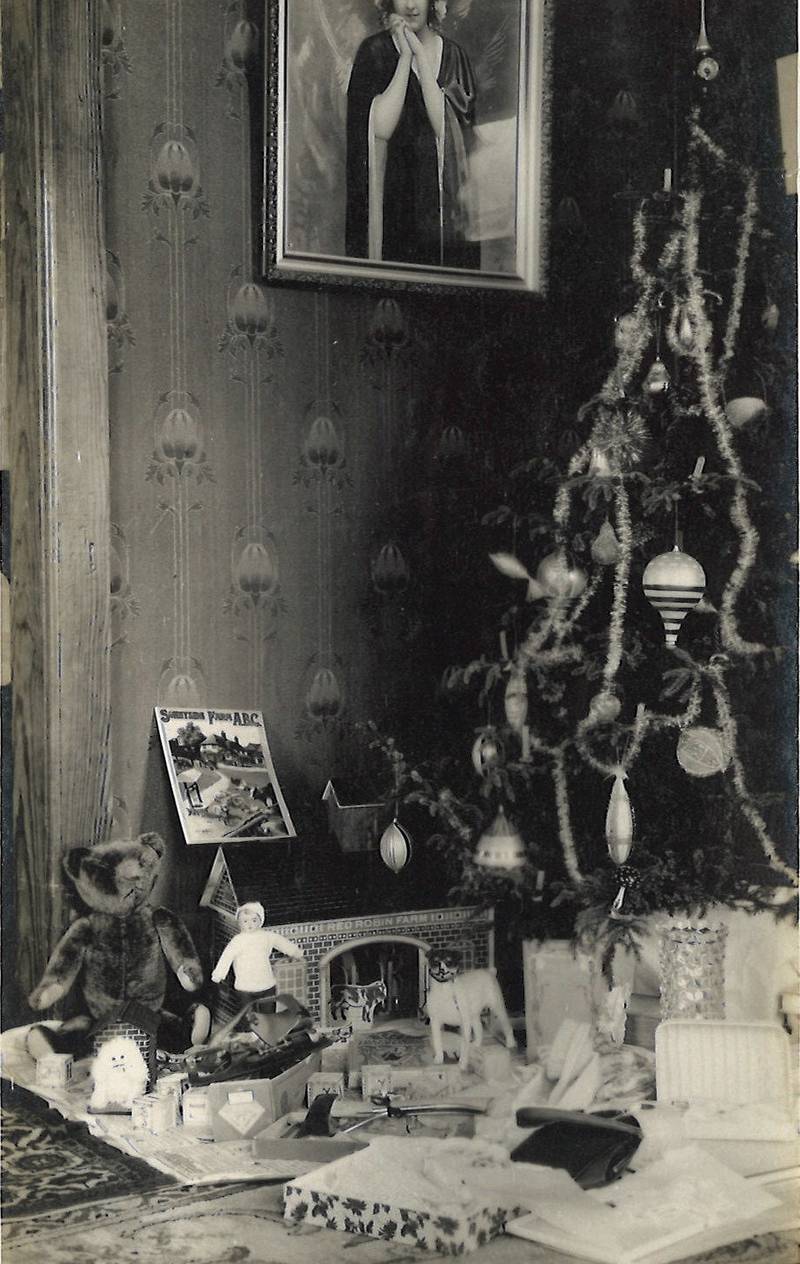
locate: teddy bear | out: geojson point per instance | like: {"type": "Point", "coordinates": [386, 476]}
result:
{"type": "Point", "coordinates": [118, 952]}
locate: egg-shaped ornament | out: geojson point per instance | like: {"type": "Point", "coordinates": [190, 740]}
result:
{"type": "Point", "coordinates": [684, 330]}
{"type": "Point", "coordinates": [560, 580]}
{"type": "Point", "coordinates": [500, 846]}
{"type": "Point", "coordinates": [487, 752]}
{"type": "Point", "coordinates": [770, 316]}
{"type": "Point", "coordinates": [673, 583]}
{"type": "Point", "coordinates": [395, 846]}
{"type": "Point", "coordinates": [702, 751]}
{"type": "Point", "coordinates": [606, 547]}
{"type": "Point", "coordinates": [516, 699]}
{"type": "Point", "coordinates": [619, 821]}
{"type": "Point", "coordinates": [657, 379]}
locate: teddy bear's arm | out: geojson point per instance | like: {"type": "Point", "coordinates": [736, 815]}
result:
{"type": "Point", "coordinates": [178, 948]}
{"type": "Point", "coordinates": [63, 967]}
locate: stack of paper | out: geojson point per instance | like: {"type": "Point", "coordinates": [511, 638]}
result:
{"type": "Point", "coordinates": [682, 1204]}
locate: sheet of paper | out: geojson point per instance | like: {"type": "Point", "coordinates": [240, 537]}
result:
{"type": "Point", "coordinates": [686, 1194]}
{"type": "Point", "coordinates": [197, 1162]}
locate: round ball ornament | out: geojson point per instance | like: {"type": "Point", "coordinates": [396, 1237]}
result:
{"type": "Point", "coordinates": [744, 409]}
{"type": "Point", "coordinates": [395, 846]}
{"type": "Point", "coordinates": [500, 846]}
{"type": "Point", "coordinates": [707, 69]}
{"type": "Point", "coordinates": [702, 751]}
{"type": "Point", "coordinates": [560, 580]}
{"type": "Point", "coordinates": [604, 708]}
{"type": "Point", "coordinates": [487, 752]}
{"type": "Point", "coordinates": [673, 583]}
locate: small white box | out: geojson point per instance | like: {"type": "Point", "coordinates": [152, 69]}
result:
{"type": "Point", "coordinates": [54, 1070]}
{"type": "Point", "coordinates": [196, 1113]}
{"type": "Point", "coordinates": [325, 1082]}
{"type": "Point", "coordinates": [174, 1083]}
{"type": "Point", "coordinates": [154, 1114]}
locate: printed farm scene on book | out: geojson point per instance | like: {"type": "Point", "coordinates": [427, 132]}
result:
{"type": "Point", "coordinates": [222, 776]}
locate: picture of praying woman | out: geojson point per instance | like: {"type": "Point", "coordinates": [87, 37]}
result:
{"type": "Point", "coordinates": [410, 115]}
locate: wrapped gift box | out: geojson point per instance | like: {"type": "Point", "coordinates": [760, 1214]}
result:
{"type": "Point", "coordinates": [341, 1195]}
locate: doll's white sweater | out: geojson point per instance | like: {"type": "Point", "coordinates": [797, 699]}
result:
{"type": "Point", "coordinates": [249, 953]}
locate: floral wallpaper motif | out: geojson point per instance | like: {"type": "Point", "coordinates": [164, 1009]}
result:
{"type": "Point", "coordinates": [114, 54]}
{"type": "Point", "coordinates": [245, 461]}
{"type": "Point", "coordinates": [118, 326]}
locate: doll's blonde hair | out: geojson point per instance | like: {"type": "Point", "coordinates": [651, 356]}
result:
{"type": "Point", "coordinates": [252, 907]}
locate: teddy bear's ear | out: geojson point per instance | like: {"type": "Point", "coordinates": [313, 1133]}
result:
{"type": "Point", "coordinates": [73, 860]}
{"type": "Point", "coordinates": [155, 841]}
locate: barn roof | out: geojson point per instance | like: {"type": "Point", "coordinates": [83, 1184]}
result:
{"type": "Point", "coordinates": [300, 882]}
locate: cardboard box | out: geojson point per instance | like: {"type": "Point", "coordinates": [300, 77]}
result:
{"type": "Point", "coordinates": [242, 1108]}
{"type": "Point", "coordinates": [449, 1230]}
{"type": "Point", "coordinates": [54, 1070]}
{"type": "Point", "coordinates": [196, 1114]}
{"type": "Point", "coordinates": [412, 1083]}
{"type": "Point", "coordinates": [154, 1114]}
{"type": "Point", "coordinates": [173, 1083]}
{"type": "Point", "coordinates": [325, 1082]}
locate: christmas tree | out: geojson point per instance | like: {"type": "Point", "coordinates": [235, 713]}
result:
{"type": "Point", "coordinates": [641, 660]}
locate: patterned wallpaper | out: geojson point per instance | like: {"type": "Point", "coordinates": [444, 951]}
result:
{"type": "Point", "coordinates": [253, 431]}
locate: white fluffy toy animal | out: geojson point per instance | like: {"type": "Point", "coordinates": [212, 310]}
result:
{"type": "Point", "coordinates": [119, 1073]}
{"type": "Point", "coordinates": [458, 999]}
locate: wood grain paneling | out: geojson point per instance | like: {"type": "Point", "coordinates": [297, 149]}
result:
{"type": "Point", "coordinates": [58, 454]}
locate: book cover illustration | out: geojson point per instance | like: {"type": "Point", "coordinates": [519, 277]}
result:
{"type": "Point", "coordinates": [222, 776]}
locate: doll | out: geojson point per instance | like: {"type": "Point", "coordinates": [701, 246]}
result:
{"type": "Point", "coordinates": [249, 953]}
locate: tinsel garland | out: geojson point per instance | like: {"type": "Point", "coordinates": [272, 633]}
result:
{"type": "Point", "coordinates": [708, 384]}
{"type": "Point", "coordinates": [727, 722]}
{"type": "Point", "coordinates": [566, 836]}
{"type": "Point", "coordinates": [622, 571]}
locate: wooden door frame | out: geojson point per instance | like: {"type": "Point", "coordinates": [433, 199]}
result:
{"type": "Point", "coordinates": [57, 451]}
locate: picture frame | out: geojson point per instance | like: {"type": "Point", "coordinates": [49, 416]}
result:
{"type": "Point", "coordinates": [339, 206]}
{"type": "Point", "coordinates": [222, 776]}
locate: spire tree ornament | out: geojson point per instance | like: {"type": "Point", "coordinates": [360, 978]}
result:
{"type": "Point", "coordinates": [657, 504]}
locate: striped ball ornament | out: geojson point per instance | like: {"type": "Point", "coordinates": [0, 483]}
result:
{"type": "Point", "coordinates": [673, 583]}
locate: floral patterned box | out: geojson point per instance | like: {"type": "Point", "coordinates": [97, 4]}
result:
{"type": "Point", "coordinates": [449, 1235]}
{"type": "Point", "coordinates": [438, 1222]}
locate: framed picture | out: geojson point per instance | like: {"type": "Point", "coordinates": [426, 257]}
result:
{"type": "Point", "coordinates": [405, 142]}
{"type": "Point", "coordinates": [222, 776]}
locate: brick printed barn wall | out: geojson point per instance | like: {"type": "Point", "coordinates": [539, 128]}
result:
{"type": "Point", "coordinates": [457, 928]}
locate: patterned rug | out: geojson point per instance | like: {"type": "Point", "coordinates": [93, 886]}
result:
{"type": "Point", "coordinates": [246, 1227]}
{"type": "Point", "coordinates": [53, 1163]}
